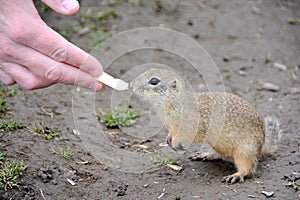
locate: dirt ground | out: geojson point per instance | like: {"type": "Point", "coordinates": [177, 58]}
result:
{"type": "Point", "coordinates": [238, 35]}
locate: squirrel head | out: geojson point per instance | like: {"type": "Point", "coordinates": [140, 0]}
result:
{"type": "Point", "coordinates": [158, 85]}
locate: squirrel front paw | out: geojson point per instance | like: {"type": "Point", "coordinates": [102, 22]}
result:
{"type": "Point", "coordinates": [175, 145]}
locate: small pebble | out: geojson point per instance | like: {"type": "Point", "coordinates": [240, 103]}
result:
{"type": "Point", "coordinates": [270, 87]}
{"type": "Point", "coordinates": [226, 59]}
{"type": "Point", "coordinates": [196, 36]}
{"type": "Point", "coordinates": [251, 196]}
{"type": "Point", "coordinates": [175, 167]}
{"type": "Point", "coordinates": [146, 185]}
{"type": "Point", "coordinates": [162, 194]}
{"type": "Point", "coordinates": [232, 36]}
{"type": "Point", "coordinates": [71, 182]}
{"type": "Point", "coordinates": [268, 194]}
{"type": "Point", "coordinates": [255, 10]}
{"type": "Point", "coordinates": [76, 132]}
{"type": "Point", "coordinates": [279, 66]}
{"type": "Point", "coordinates": [163, 144]}
{"type": "Point", "coordinates": [242, 73]}
{"type": "Point", "coordinates": [84, 31]}
{"type": "Point", "coordinates": [294, 90]}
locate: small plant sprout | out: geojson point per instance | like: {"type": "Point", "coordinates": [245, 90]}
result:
{"type": "Point", "coordinates": [118, 118]}
{"type": "Point", "coordinates": [42, 7]}
{"type": "Point", "coordinates": [101, 37]}
{"type": "Point", "coordinates": [165, 160]}
{"type": "Point", "coordinates": [132, 2]}
{"type": "Point", "coordinates": [294, 185]}
{"type": "Point", "coordinates": [103, 15]}
{"type": "Point", "coordinates": [39, 128]}
{"type": "Point", "coordinates": [159, 4]}
{"type": "Point", "coordinates": [293, 21]}
{"type": "Point", "coordinates": [3, 107]}
{"type": "Point", "coordinates": [104, 166]}
{"type": "Point", "coordinates": [67, 154]}
{"type": "Point", "coordinates": [268, 58]}
{"type": "Point", "coordinates": [7, 125]}
{"type": "Point", "coordinates": [6, 91]}
{"type": "Point", "coordinates": [10, 171]}
{"type": "Point", "coordinates": [135, 2]}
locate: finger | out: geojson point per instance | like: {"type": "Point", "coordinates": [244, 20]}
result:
{"type": "Point", "coordinates": [63, 51]}
{"type": "Point", "coordinates": [6, 79]}
{"type": "Point", "coordinates": [25, 77]}
{"type": "Point", "coordinates": [50, 69]}
{"type": "Point", "coordinates": [65, 7]}
{"type": "Point", "coordinates": [50, 43]}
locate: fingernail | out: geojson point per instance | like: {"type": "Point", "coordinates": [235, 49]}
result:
{"type": "Point", "coordinates": [70, 4]}
{"type": "Point", "coordinates": [96, 86]}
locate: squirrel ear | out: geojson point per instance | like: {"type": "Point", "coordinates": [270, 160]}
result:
{"type": "Point", "coordinates": [173, 85]}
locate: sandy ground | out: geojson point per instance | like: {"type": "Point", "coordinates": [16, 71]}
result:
{"type": "Point", "coordinates": [238, 35]}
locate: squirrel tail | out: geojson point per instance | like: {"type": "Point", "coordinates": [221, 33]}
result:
{"type": "Point", "coordinates": [272, 136]}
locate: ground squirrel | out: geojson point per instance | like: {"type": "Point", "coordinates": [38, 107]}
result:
{"type": "Point", "coordinates": [228, 123]}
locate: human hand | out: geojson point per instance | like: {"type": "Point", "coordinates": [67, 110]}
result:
{"type": "Point", "coordinates": [35, 56]}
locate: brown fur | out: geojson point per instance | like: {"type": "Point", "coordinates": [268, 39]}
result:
{"type": "Point", "coordinates": [229, 124]}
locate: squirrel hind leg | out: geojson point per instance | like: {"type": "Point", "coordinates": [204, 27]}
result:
{"type": "Point", "coordinates": [246, 165]}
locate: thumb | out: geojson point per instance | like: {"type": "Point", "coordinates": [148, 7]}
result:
{"type": "Point", "coordinates": [65, 7]}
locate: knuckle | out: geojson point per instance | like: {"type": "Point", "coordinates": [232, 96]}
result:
{"type": "Point", "coordinates": [54, 74]}
{"type": "Point", "coordinates": [8, 51]}
{"type": "Point", "coordinates": [20, 33]}
{"type": "Point", "coordinates": [59, 53]}
{"type": "Point", "coordinates": [24, 31]}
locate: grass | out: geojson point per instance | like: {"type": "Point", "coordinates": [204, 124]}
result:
{"type": "Point", "coordinates": [42, 7]}
{"type": "Point", "coordinates": [104, 166]}
{"type": "Point", "coordinates": [294, 185]}
{"type": "Point", "coordinates": [267, 58]}
{"type": "Point", "coordinates": [10, 125]}
{"type": "Point", "coordinates": [131, 2]}
{"type": "Point", "coordinates": [159, 4]}
{"type": "Point", "coordinates": [90, 24]}
{"type": "Point", "coordinates": [256, 97]}
{"type": "Point", "coordinates": [39, 128]}
{"type": "Point", "coordinates": [135, 2]}
{"type": "Point", "coordinates": [292, 21]}
{"type": "Point", "coordinates": [68, 33]}
{"type": "Point", "coordinates": [5, 92]}
{"type": "Point", "coordinates": [103, 15]}
{"type": "Point", "coordinates": [10, 171]}
{"type": "Point", "coordinates": [101, 37]}
{"type": "Point", "coordinates": [3, 107]}
{"type": "Point", "coordinates": [118, 118]}
{"type": "Point", "coordinates": [67, 154]}
{"type": "Point", "coordinates": [165, 160]}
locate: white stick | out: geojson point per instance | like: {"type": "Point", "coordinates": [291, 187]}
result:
{"type": "Point", "coordinates": [115, 83]}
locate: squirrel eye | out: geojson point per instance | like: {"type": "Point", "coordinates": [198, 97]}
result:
{"type": "Point", "coordinates": [154, 81]}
